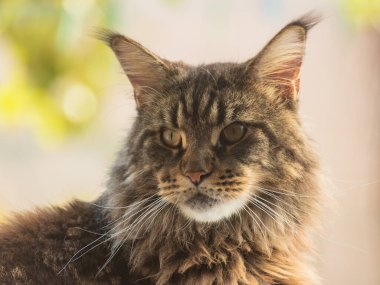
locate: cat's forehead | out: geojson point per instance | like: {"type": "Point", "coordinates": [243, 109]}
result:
{"type": "Point", "coordinates": [217, 76]}
{"type": "Point", "coordinates": [205, 98]}
{"type": "Point", "coordinates": [207, 95]}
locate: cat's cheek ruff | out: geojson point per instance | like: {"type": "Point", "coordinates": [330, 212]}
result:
{"type": "Point", "coordinates": [218, 212]}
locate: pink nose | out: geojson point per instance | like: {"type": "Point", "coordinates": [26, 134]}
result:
{"type": "Point", "coordinates": [195, 177]}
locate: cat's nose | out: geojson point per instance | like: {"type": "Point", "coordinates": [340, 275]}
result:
{"type": "Point", "coordinates": [196, 177]}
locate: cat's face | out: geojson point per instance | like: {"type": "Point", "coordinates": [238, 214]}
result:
{"type": "Point", "coordinates": [209, 135]}
{"type": "Point", "coordinates": [209, 138]}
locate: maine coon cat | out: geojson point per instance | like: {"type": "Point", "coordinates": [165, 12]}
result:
{"type": "Point", "coordinates": [216, 183]}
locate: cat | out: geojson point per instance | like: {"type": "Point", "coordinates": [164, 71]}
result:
{"type": "Point", "coordinates": [215, 185]}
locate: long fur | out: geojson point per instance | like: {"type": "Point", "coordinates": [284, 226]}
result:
{"type": "Point", "coordinates": [138, 233]}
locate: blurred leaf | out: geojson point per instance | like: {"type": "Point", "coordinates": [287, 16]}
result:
{"type": "Point", "coordinates": [362, 12]}
{"type": "Point", "coordinates": [172, 2]}
{"type": "Point", "coordinates": [50, 53]}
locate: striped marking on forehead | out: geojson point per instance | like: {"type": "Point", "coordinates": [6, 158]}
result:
{"type": "Point", "coordinates": [211, 109]}
{"type": "Point", "coordinates": [200, 102]}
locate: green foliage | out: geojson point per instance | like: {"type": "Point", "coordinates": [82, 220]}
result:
{"type": "Point", "coordinates": [53, 72]}
{"type": "Point", "coordinates": [362, 12]}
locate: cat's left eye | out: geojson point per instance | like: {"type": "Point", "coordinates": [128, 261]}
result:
{"type": "Point", "coordinates": [233, 133]}
{"type": "Point", "coordinates": [171, 138]}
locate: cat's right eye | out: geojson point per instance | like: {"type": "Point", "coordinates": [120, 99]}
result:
{"type": "Point", "coordinates": [233, 133]}
{"type": "Point", "coordinates": [171, 138]}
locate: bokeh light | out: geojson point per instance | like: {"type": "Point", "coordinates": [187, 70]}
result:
{"type": "Point", "coordinates": [48, 79]}
{"type": "Point", "coordinates": [66, 106]}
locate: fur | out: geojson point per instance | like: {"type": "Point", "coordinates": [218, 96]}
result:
{"type": "Point", "coordinates": [247, 222]}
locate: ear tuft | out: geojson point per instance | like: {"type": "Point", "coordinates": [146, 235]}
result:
{"type": "Point", "coordinates": [145, 70]}
{"type": "Point", "coordinates": [307, 21]}
{"type": "Point", "coordinates": [278, 64]}
{"type": "Point", "coordinates": [104, 35]}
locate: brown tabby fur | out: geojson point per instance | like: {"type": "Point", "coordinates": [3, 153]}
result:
{"type": "Point", "coordinates": [137, 221]}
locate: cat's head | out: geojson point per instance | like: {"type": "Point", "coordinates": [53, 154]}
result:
{"type": "Point", "coordinates": [206, 138]}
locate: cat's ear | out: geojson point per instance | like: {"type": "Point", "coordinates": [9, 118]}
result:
{"type": "Point", "coordinates": [146, 71]}
{"type": "Point", "coordinates": [278, 64]}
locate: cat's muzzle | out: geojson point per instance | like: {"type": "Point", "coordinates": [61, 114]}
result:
{"type": "Point", "coordinates": [201, 202]}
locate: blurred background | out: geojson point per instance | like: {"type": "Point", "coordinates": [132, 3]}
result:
{"type": "Point", "coordinates": [65, 105]}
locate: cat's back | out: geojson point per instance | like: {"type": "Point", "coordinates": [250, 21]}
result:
{"type": "Point", "coordinates": [34, 247]}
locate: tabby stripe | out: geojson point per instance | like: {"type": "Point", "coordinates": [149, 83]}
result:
{"type": "Point", "coordinates": [201, 82]}
{"type": "Point", "coordinates": [196, 99]}
{"type": "Point", "coordinates": [161, 114]}
{"type": "Point", "coordinates": [221, 112]}
{"type": "Point", "coordinates": [267, 131]}
{"type": "Point", "coordinates": [211, 99]}
{"type": "Point", "coordinates": [237, 111]}
{"type": "Point", "coordinates": [222, 83]}
{"type": "Point", "coordinates": [174, 115]}
{"type": "Point", "coordinates": [185, 112]}
{"type": "Point", "coordinates": [144, 136]}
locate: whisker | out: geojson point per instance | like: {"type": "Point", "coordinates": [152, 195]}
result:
{"type": "Point", "coordinates": [120, 207]}
{"type": "Point", "coordinates": [75, 256]}
{"type": "Point", "coordinates": [147, 208]}
{"type": "Point", "coordinates": [135, 205]}
{"type": "Point", "coordinates": [284, 192]}
{"type": "Point", "coordinates": [254, 202]}
{"type": "Point", "coordinates": [281, 200]}
{"type": "Point", "coordinates": [88, 231]}
{"type": "Point", "coordinates": [275, 215]}
{"type": "Point", "coordinates": [255, 220]}
{"type": "Point", "coordinates": [149, 212]}
{"type": "Point", "coordinates": [286, 213]}
{"type": "Point", "coordinates": [80, 251]}
{"type": "Point", "coordinates": [288, 193]}
{"type": "Point", "coordinates": [128, 231]}
{"type": "Point", "coordinates": [153, 213]}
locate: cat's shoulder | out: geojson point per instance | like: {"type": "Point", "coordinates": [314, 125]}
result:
{"type": "Point", "coordinates": [36, 245]}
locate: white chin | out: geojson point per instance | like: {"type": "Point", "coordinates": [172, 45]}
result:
{"type": "Point", "coordinates": [217, 212]}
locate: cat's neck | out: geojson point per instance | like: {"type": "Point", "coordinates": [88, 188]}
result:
{"type": "Point", "coordinates": [164, 238]}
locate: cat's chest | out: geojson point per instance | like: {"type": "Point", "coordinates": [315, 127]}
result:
{"type": "Point", "coordinates": [197, 263]}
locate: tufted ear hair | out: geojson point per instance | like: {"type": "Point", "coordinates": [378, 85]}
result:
{"type": "Point", "coordinates": [279, 63]}
{"type": "Point", "coordinates": [146, 71]}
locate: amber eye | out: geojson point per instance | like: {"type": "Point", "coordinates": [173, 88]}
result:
{"type": "Point", "coordinates": [171, 138]}
{"type": "Point", "coordinates": [233, 133]}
